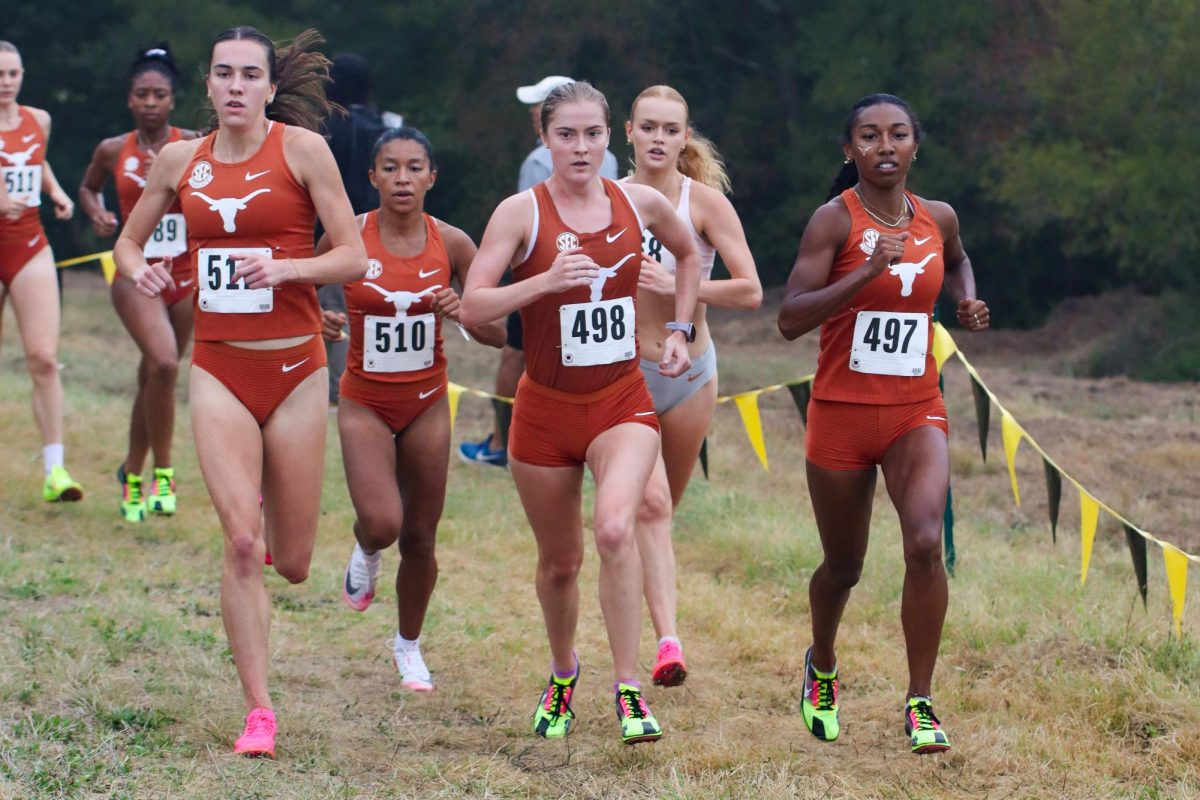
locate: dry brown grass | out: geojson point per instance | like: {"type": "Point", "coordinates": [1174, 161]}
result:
{"type": "Point", "coordinates": [115, 680]}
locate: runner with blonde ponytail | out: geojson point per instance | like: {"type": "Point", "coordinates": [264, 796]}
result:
{"type": "Point", "coordinates": [670, 156]}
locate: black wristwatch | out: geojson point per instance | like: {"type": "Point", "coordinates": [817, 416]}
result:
{"type": "Point", "coordinates": [689, 330]}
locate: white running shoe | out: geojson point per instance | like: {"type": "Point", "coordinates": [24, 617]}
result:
{"type": "Point", "coordinates": [358, 588]}
{"type": "Point", "coordinates": [414, 675]}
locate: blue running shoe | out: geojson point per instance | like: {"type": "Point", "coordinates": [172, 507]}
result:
{"type": "Point", "coordinates": [482, 453]}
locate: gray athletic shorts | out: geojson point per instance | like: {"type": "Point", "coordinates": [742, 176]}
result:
{"type": "Point", "coordinates": [670, 392]}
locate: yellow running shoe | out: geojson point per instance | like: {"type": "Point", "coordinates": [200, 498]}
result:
{"type": "Point", "coordinates": [59, 488]}
{"type": "Point", "coordinates": [133, 503]}
{"type": "Point", "coordinates": [162, 494]}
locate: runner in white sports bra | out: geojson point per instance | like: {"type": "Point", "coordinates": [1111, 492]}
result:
{"type": "Point", "coordinates": [685, 167]}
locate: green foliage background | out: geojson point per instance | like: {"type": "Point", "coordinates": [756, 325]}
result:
{"type": "Point", "coordinates": [1061, 130]}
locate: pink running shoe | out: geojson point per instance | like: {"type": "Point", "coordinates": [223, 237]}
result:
{"type": "Point", "coordinates": [258, 739]}
{"type": "Point", "coordinates": [670, 669]}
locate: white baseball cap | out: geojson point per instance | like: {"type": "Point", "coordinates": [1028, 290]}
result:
{"type": "Point", "coordinates": [529, 95]}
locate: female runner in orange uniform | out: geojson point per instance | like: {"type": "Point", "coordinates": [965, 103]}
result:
{"type": "Point", "coordinates": [574, 243]}
{"type": "Point", "coordinates": [27, 265]}
{"type": "Point", "coordinates": [393, 412]}
{"type": "Point", "coordinates": [872, 263]}
{"type": "Point", "coordinates": [250, 192]}
{"type": "Point", "coordinates": [162, 326]}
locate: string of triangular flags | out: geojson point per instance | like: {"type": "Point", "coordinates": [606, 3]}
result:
{"type": "Point", "coordinates": [1011, 435]}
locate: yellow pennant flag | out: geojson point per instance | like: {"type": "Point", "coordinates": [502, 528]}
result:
{"type": "Point", "coordinates": [1089, 515]}
{"type": "Point", "coordinates": [455, 392]}
{"type": "Point", "coordinates": [943, 345]}
{"type": "Point", "coordinates": [1010, 433]}
{"type": "Point", "coordinates": [747, 405]}
{"type": "Point", "coordinates": [108, 266]}
{"type": "Point", "coordinates": [1177, 567]}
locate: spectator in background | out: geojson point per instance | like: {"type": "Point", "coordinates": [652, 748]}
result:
{"type": "Point", "coordinates": [351, 136]}
{"type": "Point", "coordinates": [536, 167]}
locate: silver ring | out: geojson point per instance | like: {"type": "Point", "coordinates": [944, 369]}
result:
{"type": "Point", "coordinates": [976, 319]}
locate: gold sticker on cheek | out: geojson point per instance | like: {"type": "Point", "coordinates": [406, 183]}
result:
{"type": "Point", "coordinates": [864, 150]}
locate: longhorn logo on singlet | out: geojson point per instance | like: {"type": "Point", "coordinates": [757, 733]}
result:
{"type": "Point", "coordinates": [908, 272]}
{"type": "Point", "coordinates": [21, 157]}
{"type": "Point", "coordinates": [400, 299]}
{"type": "Point", "coordinates": [374, 268]}
{"type": "Point", "coordinates": [228, 207]}
{"type": "Point", "coordinates": [201, 176]}
{"type": "Point", "coordinates": [567, 241]}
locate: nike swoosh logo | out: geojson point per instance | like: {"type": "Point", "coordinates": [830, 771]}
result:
{"type": "Point", "coordinates": [615, 236]}
{"type": "Point", "coordinates": [642, 413]}
{"type": "Point", "coordinates": [187, 283]}
{"type": "Point", "coordinates": [423, 274]}
{"type": "Point", "coordinates": [35, 240]}
{"type": "Point", "coordinates": [251, 177]}
{"type": "Point", "coordinates": [29, 138]}
{"type": "Point", "coordinates": [290, 367]}
{"type": "Point", "coordinates": [919, 242]}
{"type": "Point", "coordinates": [693, 377]}
{"type": "Point", "coordinates": [941, 419]}
{"type": "Point", "coordinates": [350, 589]}
{"type": "Point", "coordinates": [423, 395]}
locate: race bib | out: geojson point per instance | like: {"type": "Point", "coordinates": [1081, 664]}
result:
{"type": "Point", "coordinates": [597, 333]}
{"type": "Point", "coordinates": [888, 343]}
{"type": "Point", "coordinates": [169, 239]}
{"type": "Point", "coordinates": [398, 344]}
{"type": "Point", "coordinates": [220, 293]}
{"type": "Point", "coordinates": [24, 183]}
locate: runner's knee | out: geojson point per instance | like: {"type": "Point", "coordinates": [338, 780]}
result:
{"type": "Point", "coordinates": [656, 504]}
{"type": "Point", "coordinates": [614, 534]}
{"type": "Point", "coordinates": [844, 573]}
{"type": "Point", "coordinates": [923, 549]}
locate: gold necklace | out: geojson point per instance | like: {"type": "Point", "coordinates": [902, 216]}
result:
{"type": "Point", "coordinates": [882, 217]}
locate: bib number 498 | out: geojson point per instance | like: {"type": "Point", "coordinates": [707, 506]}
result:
{"type": "Point", "coordinates": [597, 333]}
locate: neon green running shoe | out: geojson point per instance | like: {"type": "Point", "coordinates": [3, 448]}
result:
{"type": "Point", "coordinates": [820, 704]}
{"type": "Point", "coordinates": [59, 488]}
{"type": "Point", "coordinates": [553, 717]}
{"type": "Point", "coordinates": [133, 502]}
{"type": "Point", "coordinates": [637, 723]}
{"type": "Point", "coordinates": [923, 727]}
{"type": "Point", "coordinates": [162, 495]}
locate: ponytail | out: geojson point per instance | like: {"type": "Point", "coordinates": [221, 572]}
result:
{"type": "Point", "coordinates": [701, 162]}
{"type": "Point", "coordinates": [847, 176]}
{"type": "Point", "coordinates": [299, 73]}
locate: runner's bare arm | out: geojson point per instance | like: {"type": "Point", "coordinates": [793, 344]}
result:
{"type": "Point", "coordinates": [720, 225]}
{"type": "Point", "coordinates": [462, 253]}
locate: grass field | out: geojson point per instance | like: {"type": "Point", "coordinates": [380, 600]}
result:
{"type": "Point", "coordinates": [116, 681]}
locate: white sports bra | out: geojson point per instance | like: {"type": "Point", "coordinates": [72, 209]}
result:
{"type": "Point", "coordinates": [654, 248]}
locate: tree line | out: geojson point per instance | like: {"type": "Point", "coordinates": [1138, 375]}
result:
{"type": "Point", "coordinates": [1060, 130]}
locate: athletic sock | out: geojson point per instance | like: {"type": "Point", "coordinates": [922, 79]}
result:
{"type": "Point", "coordinates": [52, 456]}
{"type": "Point", "coordinates": [666, 639]}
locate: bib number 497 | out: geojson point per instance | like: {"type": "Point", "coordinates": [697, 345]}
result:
{"type": "Point", "coordinates": [597, 333]}
{"type": "Point", "coordinates": [890, 343]}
